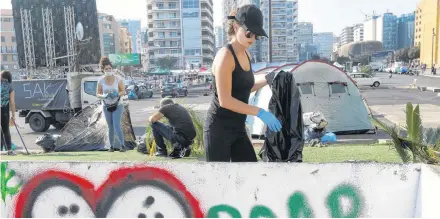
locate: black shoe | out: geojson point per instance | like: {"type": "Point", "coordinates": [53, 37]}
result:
{"type": "Point", "coordinates": [181, 153]}
{"type": "Point", "coordinates": [175, 153]}
{"type": "Point", "coordinates": [111, 149]}
{"type": "Point", "coordinates": [122, 149]}
{"type": "Point", "coordinates": [11, 153]}
{"type": "Point", "coordinates": [160, 154]}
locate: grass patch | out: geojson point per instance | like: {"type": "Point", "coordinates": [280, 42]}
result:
{"type": "Point", "coordinates": [336, 153]}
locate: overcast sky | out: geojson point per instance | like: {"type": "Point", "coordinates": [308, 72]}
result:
{"type": "Point", "coordinates": [326, 15]}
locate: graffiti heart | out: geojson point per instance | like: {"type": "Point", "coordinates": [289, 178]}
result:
{"type": "Point", "coordinates": [128, 192]}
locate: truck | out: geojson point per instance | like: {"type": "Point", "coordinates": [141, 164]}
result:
{"type": "Point", "coordinates": [46, 102]}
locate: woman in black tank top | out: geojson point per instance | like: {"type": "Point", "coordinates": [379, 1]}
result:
{"type": "Point", "coordinates": [225, 134]}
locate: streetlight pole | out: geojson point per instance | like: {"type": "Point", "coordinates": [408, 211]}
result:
{"type": "Point", "coordinates": [270, 30]}
{"type": "Point", "coordinates": [432, 51]}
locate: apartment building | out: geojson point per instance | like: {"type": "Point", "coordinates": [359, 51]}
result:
{"type": "Point", "coordinates": [181, 29]}
{"type": "Point", "coordinates": [9, 56]}
{"type": "Point", "coordinates": [324, 44]}
{"type": "Point", "coordinates": [347, 35]}
{"type": "Point", "coordinates": [405, 30]}
{"type": "Point", "coordinates": [427, 32]}
{"type": "Point", "coordinates": [126, 40]}
{"type": "Point", "coordinates": [109, 34]}
{"type": "Point", "coordinates": [134, 28]}
{"type": "Point", "coordinates": [284, 26]}
{"type": "Point", "coordinates": [358, 33]}
{"type": "Point", "coordinates": [306, 49]}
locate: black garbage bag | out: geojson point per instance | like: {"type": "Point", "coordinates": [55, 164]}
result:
{"type": "Point", "coordinates": [47, 142]}
{"type": "Point", "coordinates": [285, 103]}
{"type": "Point", "coordinates": [142, 147]}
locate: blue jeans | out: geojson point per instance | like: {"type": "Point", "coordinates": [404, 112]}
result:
{"type": "Point", "coordinates": [161, 131]}
{"type": "Point", "coordinates": [114, 124]}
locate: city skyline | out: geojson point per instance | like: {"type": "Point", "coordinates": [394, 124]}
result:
{"type": "Point", "coordinates": [323, 19]}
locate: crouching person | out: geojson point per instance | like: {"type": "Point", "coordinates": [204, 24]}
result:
{"type": "Point", "coordinates": [180, 132]}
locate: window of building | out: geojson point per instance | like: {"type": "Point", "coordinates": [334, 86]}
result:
{"type": "Point", "coordinates": [161, 34]}
{"type": "Point", "coordinates": [190, 3]}
{"type": "Point", "coordinates": [3, 49]}
{"type": "Point", "coordinates": [192, 52]}
{"type": "Point", "coordinates": [173, 43]}
{"type": "Point", "coordinates": [172, 5]}
{"type": "Point", "coordinates": [172, 15]}
{"type": "Point", "coordinates": [161, 51]}
{"type": "Point", "coordinates": [14, 58]}
{"type": "Point", "coordinates": [6, 19]}
{"type": "Point", "coordinates": [13, 39]}
{"type": "Point", "coordinates": [159, 5]}
{"type": "Point", "coordinates": [3, 39]}
{"type": "Point", "coordinates": [4, 58]}
{"type": "Point", "coordinates": [175, 51]}
{"type": "Point", "coordinates": [90, 87]}
{"type": "Point", "coordinates": [162, 43]}
{"type": "Point", "coordinates": [108, 26]}
{"type": "Point", "coordinates": [173, 24]}
{"type": "Point", "coordinates": [160, 24]}
{"type": "Point", "coordinates": [190, 15]}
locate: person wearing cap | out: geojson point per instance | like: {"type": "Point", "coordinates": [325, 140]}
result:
{"type": "Point", "coordinates": [225, 135]}
{"type": "Point", "coordinates": [181, 131]}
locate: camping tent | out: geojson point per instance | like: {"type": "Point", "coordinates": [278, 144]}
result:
{"type": "Point", "coordinates": [327, 89]}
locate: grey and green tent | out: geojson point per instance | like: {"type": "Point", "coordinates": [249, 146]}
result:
{"type": "Point", "coordinates": [327, 89]}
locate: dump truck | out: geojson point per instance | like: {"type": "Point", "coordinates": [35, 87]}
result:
{"type": "Point", "coordinates": [46, 102]}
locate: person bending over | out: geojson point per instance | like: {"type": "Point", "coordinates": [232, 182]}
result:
{"type": "Point", "coordinates": [180, 132]}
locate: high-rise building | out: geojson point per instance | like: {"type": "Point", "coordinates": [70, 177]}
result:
{"type": "Point", "coordinates": [386, 31]}
{"type": "Point", "coordinates": [370, 27]}
{"type": "Point", "coordinates": [358, 32]}
{"type": "Point", "coordinates": [304, 33]}
{"type": "Point", "coordinates": [405, 31]}
{"type": "Point", "coordinates": [134, 28]}
{"type": "Point", "coordinates": [181, 29]}
{"type": "Point", "coordinates": [284, 25]}
{"type": "Point", "coordinates": [125, 40]}
{"type": "Point", "coordinates": [324, 44]}
{"type": "Point", "coordinates": [109, 34]}
{"type": "Point", "coordinates": [9, 56]}
{"type": "Point", "coordinates": [219, 32]}
{"type": "Point", "coordinates": [427, 31]}
{"type": "Point", "coordinates": [382, 28]}
{"type": "Point", "coordinates": [305, 46]}
{"type": "Point", "coordinates": [347, 35]}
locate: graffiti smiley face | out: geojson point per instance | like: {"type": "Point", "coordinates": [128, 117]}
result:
{"type": "Point", "coordinates": [152, 200]}
{"type": "Point", "coordinates": [52, 203]}
{"type": "Point", "coordinates": [128, 192]}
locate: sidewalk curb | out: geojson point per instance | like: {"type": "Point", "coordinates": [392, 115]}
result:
{"type": "Point", "coordinates": [23, 152]}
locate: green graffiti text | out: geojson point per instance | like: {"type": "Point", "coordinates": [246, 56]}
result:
{"type": "Point", "coordinates": [298, 206]}
{"type": "Point", "coordinates": [5, 176]}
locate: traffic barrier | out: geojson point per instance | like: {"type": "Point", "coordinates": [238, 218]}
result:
{"type": "Point", "coordinates": [159, 189]}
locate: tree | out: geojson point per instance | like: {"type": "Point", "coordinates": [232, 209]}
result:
{"type": "Point", "coordinates": [342, 59]}
{"type": "Point", "coordinates": [414, 53]}
{"type": "Point", "coordinates": [402, 55]}
{"type": "Point", "coordinates": [167, 62]}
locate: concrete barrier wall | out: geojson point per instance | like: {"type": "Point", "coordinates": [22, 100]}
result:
{"type": "Point", "coordinates": [46, 189]}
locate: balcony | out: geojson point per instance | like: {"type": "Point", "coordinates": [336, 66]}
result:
{"type": "Point", "coordinates": [208, 29]}
{"type": "Point", "coordinates": [208, 47]}
{"type": "Point", "coordinates": [207, 19]}
{"type": "Point", "coordinates": [164, 28]}
{"type": "Point", "coordinates": [207, 10]}
{"type": "Point", "coordinates": [210, 2]}
{"type": "Point", "coordinates": [157, 9]}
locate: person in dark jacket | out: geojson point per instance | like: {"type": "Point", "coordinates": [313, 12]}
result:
{"type": "Point", "coordinates": [225, 135]}
{"type": "Point", "coordinates": [181, 131]}
{"type": "Point", "coordinates": [7, 110]}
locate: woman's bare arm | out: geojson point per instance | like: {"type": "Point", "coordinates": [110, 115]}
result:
{"type": "Point", "coordinates": [223, 67]}
{"type": "Point", "coordinates": [121, 87]}
{"type": "Point", "coordinates": [99, 92]}
{"type": "Point", "coordinates": [260, 81]}
{"type": "Point", "coordinates": [12, 103]}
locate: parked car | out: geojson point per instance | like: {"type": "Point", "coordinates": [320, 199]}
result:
{"type": "Point", "coordinates": [141, 91]}
{"type": "Point", "coordinates": [173, 90]}
{"type": "Point", "coordinates": [365, 80]}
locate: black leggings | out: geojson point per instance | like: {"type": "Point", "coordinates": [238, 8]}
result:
{"type": "Point", "coordinates": [5, 134]}
{"type": "Point", "coordinates": [226, 146]}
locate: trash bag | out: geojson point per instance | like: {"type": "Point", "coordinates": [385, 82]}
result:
{"type": "Point", "coordinates": [88, 131]}
{"type": "Point", "coordinates": [142, 147]}
{"type": "Point", "coordinates": [47, 142]}
{"type": "Point", "coordinates": [328, 138]}
{"type": "Point", "coordinates": [285, 103]}
{"type": "Point", "coordinates": [132, 95]}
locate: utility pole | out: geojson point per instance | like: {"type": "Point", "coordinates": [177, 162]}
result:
{"type": "Point", "coordinates": [270, 30]}
{"type": "Point", "coordinates": [432, 51]}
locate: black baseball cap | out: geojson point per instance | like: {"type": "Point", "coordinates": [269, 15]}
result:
{"type": "Point", "coordinates": [251, 17]}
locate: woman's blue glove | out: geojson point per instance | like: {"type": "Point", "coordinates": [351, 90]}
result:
{"type": "Point", "coordinates": [270, 120]}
